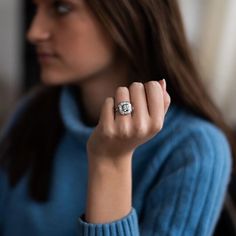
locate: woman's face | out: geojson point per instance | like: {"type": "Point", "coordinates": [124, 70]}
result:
{"type": "Point", "coordinates": [69, 40]}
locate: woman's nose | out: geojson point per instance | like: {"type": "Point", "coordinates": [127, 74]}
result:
{"type": "Point", "coordinates": [39, 29]}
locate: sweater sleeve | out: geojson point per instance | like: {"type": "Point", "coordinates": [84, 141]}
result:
{"type": "Point", "coordinates": [126, 226]}
{"type": "Point", "coordinates": [188, 196]}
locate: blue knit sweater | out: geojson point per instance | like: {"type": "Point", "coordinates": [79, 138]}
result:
{"type": "Point", "coordinates": [179, 179]}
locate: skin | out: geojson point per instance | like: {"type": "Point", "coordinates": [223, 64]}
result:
{"type": "Point", "coordinates": [83, 54]}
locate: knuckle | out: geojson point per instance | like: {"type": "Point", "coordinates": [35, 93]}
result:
{"type": "Point", "coordinates": [107, 132]}
{"type": "Point", "coordinates": [168, 99]}
{"type": "Point", "coordinates": [168, 102]}
{"type": "Point", "coordinates": [152, 82]}
{"type": "Point", "coordinates": [136, 84]}
{"type": "Point", "coordinates": [140, 129]}
{"type": "Point", "coordinates": [124, 131]}
{"type": "Point", "coordinates": [156, 126]}
{"type": "Point", "coordinates": [122, 89]}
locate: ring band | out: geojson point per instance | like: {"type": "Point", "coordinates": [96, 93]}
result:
{"type": "Point", "coordinates": [124, 108]}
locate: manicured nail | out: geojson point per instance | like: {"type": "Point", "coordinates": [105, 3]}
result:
{"type": "Point", "coordinates": [164, 82]}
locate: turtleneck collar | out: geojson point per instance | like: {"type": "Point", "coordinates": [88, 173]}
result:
{"type": "Point", "coordinates": [72, 120]}
{"type": "Point", "coordinates": [71, 115]}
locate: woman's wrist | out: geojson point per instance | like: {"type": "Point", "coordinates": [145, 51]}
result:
{"type": "Point", "coordinates": [105, 162]}
{"type": "Point", "coordinates": [109, 191]}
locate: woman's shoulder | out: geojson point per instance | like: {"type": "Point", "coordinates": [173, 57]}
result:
{"type": "Point", "coordinates": [197, 138]}
{"type": "Point", "coordinates": [185, 124]}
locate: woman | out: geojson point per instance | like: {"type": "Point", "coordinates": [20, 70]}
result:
{"type": "Point", "coordinates": [75, 160]}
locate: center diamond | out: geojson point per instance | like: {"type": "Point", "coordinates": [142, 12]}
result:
{"type": "Point", "coordinates": [124, 108]}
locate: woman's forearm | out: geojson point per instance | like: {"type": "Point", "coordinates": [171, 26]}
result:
{"type": "Point", "coordinates": [109, 191]}
{"type": "Point", "coordinates": [115, 136]}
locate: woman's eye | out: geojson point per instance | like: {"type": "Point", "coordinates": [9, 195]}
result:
{"type": "Point", "coordinates": [61, 8]}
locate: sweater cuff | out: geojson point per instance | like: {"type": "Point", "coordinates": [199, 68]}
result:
{"type": "Point", "coordinates": [126, 226]}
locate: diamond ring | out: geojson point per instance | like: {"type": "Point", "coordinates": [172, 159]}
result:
{"type": "Point", "coordinates": [124, 108]}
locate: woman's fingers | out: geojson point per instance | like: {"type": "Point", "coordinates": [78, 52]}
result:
{"type": "Point", "coordinates": [149, 108]}
{"type": "Point", "coordinates": [122, 122]}
{"type": "Point", "coordinates": [167, 98]}
{"type": "Point", "coordinates": [150, 102]}
{"type": "Point", "coordinates": [122, 94]}
{"type": "Point", "coordinates": [118, 134]}
{"type": "Point", "coordinates": [155, 101]}
{"type": "Point", "coordinates": [138, 98]}
{"type": "Point", "coordinates": [107, 113]}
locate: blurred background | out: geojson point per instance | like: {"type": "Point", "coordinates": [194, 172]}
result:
{"type": "Point", "coordinates": [209, 25]}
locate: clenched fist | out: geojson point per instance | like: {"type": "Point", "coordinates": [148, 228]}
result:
{"type": "Point", "coordinates": [116, 136]}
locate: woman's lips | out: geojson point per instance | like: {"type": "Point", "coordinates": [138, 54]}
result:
{"type": "Point", "coordinates": [46, 57]}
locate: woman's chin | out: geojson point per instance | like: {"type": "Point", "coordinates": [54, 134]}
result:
{"type": "Point", "coordinates": [49, 80]}
{"type": "Point", "coordinates": [53, 79]}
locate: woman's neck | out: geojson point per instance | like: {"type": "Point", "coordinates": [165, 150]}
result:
{"type": "Point", "coordinates": [92, 92]}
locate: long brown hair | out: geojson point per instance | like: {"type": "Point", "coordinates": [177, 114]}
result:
{"type": "Point", "coordinates": [150, 36]}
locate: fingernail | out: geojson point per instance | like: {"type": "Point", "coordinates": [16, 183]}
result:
{"type": "Point", "coordinates": [164, 82]}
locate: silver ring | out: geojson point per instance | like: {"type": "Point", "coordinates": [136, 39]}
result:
{"type": "Point", "coordinates": [124, 108]}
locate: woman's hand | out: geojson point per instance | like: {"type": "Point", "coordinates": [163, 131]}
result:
{"type": "Point", "coordinates": [116, 136]}
{"type": "Point", "coordinates": [111, 145]}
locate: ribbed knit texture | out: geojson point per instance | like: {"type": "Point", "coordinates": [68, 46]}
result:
{"type": "Point", "coordinates": [128, 225]}
{"type": "Point", "coordinates": [179, 179]}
